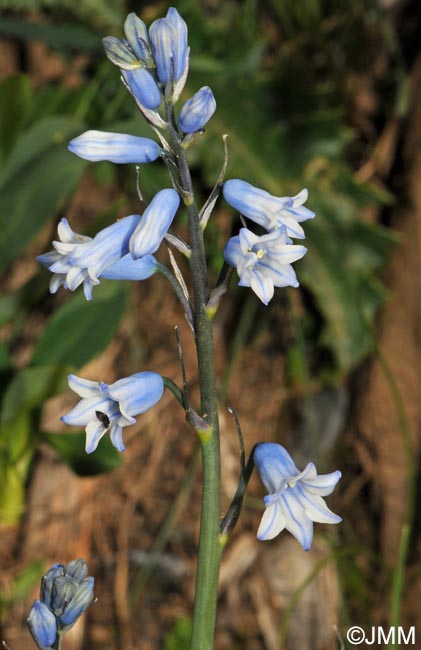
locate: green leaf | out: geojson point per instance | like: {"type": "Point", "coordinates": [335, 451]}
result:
{"type": "Point", "coordinates": [39, 176]}
{"type": "Point", "coordinates": [65, 36]}
{"type": "Point", "coordinates": [15, 98]}
{"type": "Point", "coordinates": [79, 330]}
{"type": "Point", "coordinates": [16, 453]}
{"type": "Point", "coordinates": [29, 388]}
{"type": "Point", "coordinates": [71, 448]}
{"type": "Point", "coordinates": [21, 585]}
{"type": "Point", "coordinates": [179, 636]}
{"type": "Point", "coordinates": [339, 269]}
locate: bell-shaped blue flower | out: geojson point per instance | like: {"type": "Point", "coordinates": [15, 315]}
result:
{"type": "Point", "coordinates": [154, 223]}
{"type": "Point", "coordinates": [143, 87]}
{"type": "Point", "coordinates": [269, 211]}
{"type": "Point", "coordinates": [109, 408]}
{"type": "Point", "coordinates": [42, 625]}
{"type": "Point", "coordinates": [114, 147]}
{"type": "Point", "coordinates": [80, 260]}
{"type": "Point", "coordinates": [197, 111]}
{"type": "Point", "coordinates": [169, 46]}
{"type": "Point", "coordinates": [264, 262]}
{"type": "Point", "coordinates": [295, 498]}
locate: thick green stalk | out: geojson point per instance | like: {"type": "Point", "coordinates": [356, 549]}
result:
{"type": "Point", "coordinates": [210, 549]}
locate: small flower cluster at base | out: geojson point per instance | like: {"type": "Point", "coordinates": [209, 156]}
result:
{"type": "Point", "coordinates": [295, 498]}
{"type": "Point", "coordinates": [108, 408]}
{"type": "Point", "coordinates": [264, 262]}
{"type": "Point", "coordinates": [66, 592]}
{"type": "Point", "coordinates": [123, 251]}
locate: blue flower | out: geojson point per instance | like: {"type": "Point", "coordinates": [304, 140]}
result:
{"type": "Point", "coordinates": [80, 260]}
{"type": "Point", "coordinates": [108, 408]}
{"type": "Point", "coordinates": [42, 625]}
{"type": "Point", "coordinates": [137, 37]}
{"type": "Point", "coordinates": [197, 111]}
{"type": "Point", "coordinates": [114, 147]}
{"type": "Point", "coordinates": [169, 46]}
{"type": "Point", "coordinates": [269, 211]}
{"type": "Point", "coordinates": [47, 583]}
{"type": "Point", "coordinates": [154, 223]}
{"type": "Point", "coordinates": [295, 498]}
{"type": "Point", "coordinates": [66, 591]}
{"type": "Point", "coordinates": [264, 262]}
{"type": "Point", "coordinates": [143, 87]}
{"type": "Point", "coordinates": [71, 596]}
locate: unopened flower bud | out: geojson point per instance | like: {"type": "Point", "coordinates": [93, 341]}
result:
{"type": "Point", "coordinates": [197, 111]}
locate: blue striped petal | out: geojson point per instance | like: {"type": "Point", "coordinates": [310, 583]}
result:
{"type": "Point", "coordinates": [94, 432]}
{"type": "Point", "coordinates": [297, 521]}
{"type": "Point", "coordinates": [138, 393]}
{"type": "Point", "coordinates": [83, 387]}
{"type": "Point", "coordinates": [42, 625]}
{"type": "Point", "coordinates": [137, 37]}
{"type": "Point", "coordinates": [272, 523]}
{"type": "Point", "coordinates": [154, 223]}
{"type": "Point", "coordinates": [274, 465]}
{"type": "Point", "coordinates": [114, 147]}
{"type": "Point", "coordinates": [143, 87]}
{"type": "Point", "coordinates": [84, 411]}
{"type": "Point", "coordinates": [127, 268]}
{"type": "Point", "coordinates": [197, 111]}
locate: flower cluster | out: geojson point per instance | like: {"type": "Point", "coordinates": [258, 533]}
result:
{"type": "Point", "coordinates": [121, 251]}
{"type": "Point", "coordinates": [111, 407]}
{"type": "Point", "coordinates": [295, 498]}
{"type": "Point", "coordinates": [264, 262]}
{"type": "Point", "coordinates": [66, 591]}
{"type": "Point", "coordinates": [154, 66]}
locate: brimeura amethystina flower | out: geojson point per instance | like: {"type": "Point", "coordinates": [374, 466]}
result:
{"type": "Point", "coordinates": [264, 262]}
{"type": "Point", "coordinates": [267, 210]}
{"type": "Point", "coordinates": [77, 259]}
{"type": "Point", "coordinates": [197, 111]}
{"type": "Point", "coordinates": [114, 147]}
{"type": "Point", "coordinates": [295, 498]}
{"type": "Point", "coordinates": [108, 408]}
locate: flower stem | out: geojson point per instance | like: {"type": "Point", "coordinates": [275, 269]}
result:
{"type": "Point", "coordinates": [210, 549]}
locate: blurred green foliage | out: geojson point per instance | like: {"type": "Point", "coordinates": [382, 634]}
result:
{"type": "Point", "coordinates": [179, 637]}
{"type": "Point", "coordinates": [280, 72]}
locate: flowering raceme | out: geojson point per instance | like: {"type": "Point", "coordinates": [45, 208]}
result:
{"type": "Point", "coordinates": [264, 262]}
{"type": "Point", "coordinates": [111, 407]}
{"type": "Point", "coordinates": [267, 210]}
{"type": "Point", "coordinates": [154, 65]}
{"type": "Point", "coordinates": [295, 498]}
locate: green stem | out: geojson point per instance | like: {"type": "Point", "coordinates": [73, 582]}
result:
{"type": "Point", "coordinates": [210, 549]}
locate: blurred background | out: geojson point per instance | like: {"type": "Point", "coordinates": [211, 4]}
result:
{"type": "Point", "coordinates": [317, 94]}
